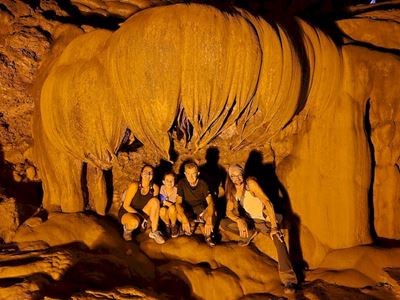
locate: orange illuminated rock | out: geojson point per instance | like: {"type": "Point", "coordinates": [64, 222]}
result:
{"type": "Point", "coordinates": [183, 77]}
{"type": "Point", "coordinates": [248, 85]}
{"type": "Point", "coordinates": [10, 218]}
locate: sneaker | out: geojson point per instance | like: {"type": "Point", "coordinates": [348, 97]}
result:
{"type": "Point", "coordinates": [210, 241]}
{"type": "Point", "coordinates": [246, 241]}
{"type": "Point", "coordinates": [157, 237]}
{"type": "Point", "coordinates": [174, 231]}
{"type": "Point", "coordinates": [289, 288]}
{"type": "Point", "coordinates": [127, 235]}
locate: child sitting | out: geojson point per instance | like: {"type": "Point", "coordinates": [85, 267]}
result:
{"type": "Point", "coordinates": [168, 213]}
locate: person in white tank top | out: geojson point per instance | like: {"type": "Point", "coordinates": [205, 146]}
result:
{"type": "Point", "coordinates": [253, 206]}
{"type": "Point", "coordinates": [249, 212]}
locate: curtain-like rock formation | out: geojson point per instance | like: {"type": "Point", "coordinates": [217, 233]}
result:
{"type": "Point", "coordinates": [234, 80]}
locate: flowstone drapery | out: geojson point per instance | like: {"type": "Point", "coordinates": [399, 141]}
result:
{"type": "Point", "coordinates": [232, 79]}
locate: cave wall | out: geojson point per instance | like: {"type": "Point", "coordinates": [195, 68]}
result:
{"type": "Point", "coordinates": [156, 71]}
{"type": "Point", "coordinates": [325, 115]}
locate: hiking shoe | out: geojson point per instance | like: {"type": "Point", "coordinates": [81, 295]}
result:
{"type": "Point", "coordinates": [289, 288]}
{"type": "Point", "coordinates": [246, 241]}
{"type": "Point", "coordinates": [174, 231]}
{"type": "Point", "coordinates": [210, 241]}
{"type": "Point", "coordinates": [168, 231]}
{"type": "Point", "coordinates": [127, 235]}
{"type": "Point", "coordinates": [157, 237]}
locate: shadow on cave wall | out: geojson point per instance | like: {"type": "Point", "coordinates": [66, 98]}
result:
{"type": "Point", "coordinates": [276, 192]}
{"type": "Point", "coordinates": [28, 195]}
{"type": "Point", "coordinates": [215, 175]}
{"type": "Point", "coordinates": [368, 132]}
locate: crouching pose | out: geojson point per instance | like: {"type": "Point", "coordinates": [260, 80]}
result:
{"type": "Point", "coordinates": [140, 206]}
{"type": "Point", "coordinates": [194, 202]}
{"type": "Point", "coordinates": [168, 213]}
{"type": "Point", "coordinates": [246, 204]}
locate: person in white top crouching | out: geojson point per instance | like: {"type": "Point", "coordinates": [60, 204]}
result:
{"type": "Point", "coordinates": [249, 212]}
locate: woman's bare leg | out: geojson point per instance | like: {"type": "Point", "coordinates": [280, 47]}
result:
{"type": "Point", "coordinates": [164, 215]}
{"type": "Point", "coordinates": [172, 214]}
{"type": "Point", "coordinates": [130, 221]}
{"type": "Point", "coordinates": [152, 209]}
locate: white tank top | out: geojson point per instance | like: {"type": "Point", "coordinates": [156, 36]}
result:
{"type": "Point", "coordinates": [253, 206]}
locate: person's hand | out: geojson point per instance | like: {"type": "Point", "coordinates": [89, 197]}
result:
{"type": "Point", "coordinates": [242, 226]}
{"type": "Point", "coordinates": [276, 232]}
{"type": "Point", "coordinates": [208, 228]}
{"type": "Point", "coordinates": [186, 227]}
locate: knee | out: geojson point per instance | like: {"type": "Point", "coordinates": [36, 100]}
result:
{"type": "Point", "coordinates": [130, 220]}
{"type": "Point", "coordinates": [154, 202]}
{"type": "Point", "coordinates": [163, 211]}
{"type": "Point", "coordinates": [172, 209]}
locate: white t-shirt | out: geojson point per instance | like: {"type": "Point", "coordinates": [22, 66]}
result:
{"type": "Point", "coordinates": [164, 195]}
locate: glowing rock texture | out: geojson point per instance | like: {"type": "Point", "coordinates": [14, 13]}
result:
{"type": "Point", "coordinates": [209, 74]}
{"type": "Point", "coordinates": [183, 78]}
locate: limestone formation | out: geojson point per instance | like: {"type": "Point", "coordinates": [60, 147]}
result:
{"type": "Point", "coordinates": [173, 80]}
{"type": "Point", "coordinates": [77, 267]}
{"type": "Point", "coordinates": [10, 218]}
{"type": "Point", "coordinates": [104, 82]}
{"type": "Point", "coordinates": [91, 232]}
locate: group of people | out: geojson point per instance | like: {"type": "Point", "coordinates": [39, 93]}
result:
{"type": "Point", "coordinates": [248, 211]}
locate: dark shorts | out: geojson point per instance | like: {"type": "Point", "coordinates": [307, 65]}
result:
{"type": "Point", "coordinates": [193, 212]}
{"type": "Point", "coordinates": [122, 211]}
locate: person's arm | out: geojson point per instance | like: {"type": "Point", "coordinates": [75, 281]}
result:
{"type": "Point", "coordinates": [233, 214]}
{"type": "Point", "coordinates": [130, 193]}
{"type": "Point", "coordinates": [156, 190]}
{"type": "Point", "coordinates": [181, 213]}
{"type": "Point", "coordinates": [258, 192]}
{"type": "Point", "coordinates": [165, 201]}
{"type": "Point", "coordinates": [210, 206]}
{"type": "Point", "coordinates": [269, 208]}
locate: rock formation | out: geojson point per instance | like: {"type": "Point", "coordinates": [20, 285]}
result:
{"type": "Point", "coordinates": [241, 88]}
{"type": "Point", "coordinates": [318, 104]}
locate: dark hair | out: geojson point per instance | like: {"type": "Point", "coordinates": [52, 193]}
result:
{"type": "Point", "coordinates": [169, 173]}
